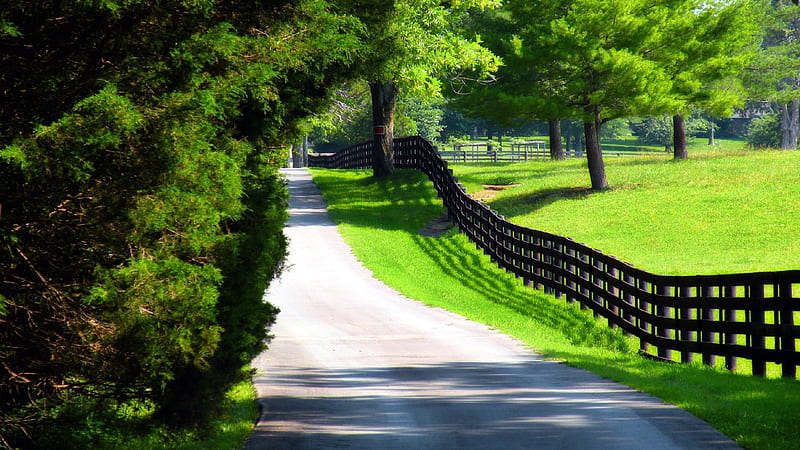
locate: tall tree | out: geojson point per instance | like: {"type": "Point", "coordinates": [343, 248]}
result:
{"type": "Point", "coordinates": [415, 43]}
{"type": "Point", "coordinates": [591, 60]}
{"type": "Point", "coordinates": [554, 131]}
{"type": "Point", "coordinates": [491, 100]}
{"type": "Point", "coordinates": [707, 48]}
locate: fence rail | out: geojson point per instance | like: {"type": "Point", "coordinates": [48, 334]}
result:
{"type": "Point", "coordinates": [750, 316]}
{"type": "Point", "coordinates": [518, 151]}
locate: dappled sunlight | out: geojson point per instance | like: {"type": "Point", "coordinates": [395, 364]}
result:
{"type": "Point", "coordinates": [514, 402]}
{"type": "Point", "coordinates": [475, 272]}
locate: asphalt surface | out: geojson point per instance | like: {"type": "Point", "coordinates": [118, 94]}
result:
{"type": "Point", "coordinates": [355, 365]}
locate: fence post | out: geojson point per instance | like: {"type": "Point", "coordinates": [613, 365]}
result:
{"type": "Point", "coordinates": [584, 291]}
{"type": "Point", "coordinates": [756, 320]}
{"type": "Point", "coordinates": [558, 263]}
{"type": "Point", "coordinates": [614, 293]}
{"type": "Point", "coordinates": [644, 307]}
{"type": "Point", "coordinates": [708, 337]}
{"type": "Point", "coordinates": [599, 282]}
{"type": "Point", "coordinates": [571, 270]}
{"type": "Point", "coordinates": [730, 338]}
{"type": "Point", "coordinates": [685, 316]}
{"type": "Point", "coordinates": [786, 323]}
{"type": "Point", "coordinates": [663, 331]}
{"type": "Point", "coordinates": [537, 264]}
{"type": "Point", "coordinates": [628, 280]}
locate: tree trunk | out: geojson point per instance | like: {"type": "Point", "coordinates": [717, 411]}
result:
{"type": "Point", "coordinates": [384, 97]}
{"type": "Point", "coordinates": [297, 156]}
{"type": "Point", "coordinates": [556, 150]}
{"type": "Point", "coordinates": [679, 137]}
{"type": "Point", "coordinates": [710, 133]}
{"type": "Point", "coordinates": [594, 156]}
{"type": "Point", "coordinates": [305, 151]}
{"type": "Point", "coordinates": [789, 124]}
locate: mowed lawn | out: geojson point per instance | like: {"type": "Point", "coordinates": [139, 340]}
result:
{"type": "Point", "coordinates": [381, 221]}
{"type": "Point", "coordinates": [714, 213]}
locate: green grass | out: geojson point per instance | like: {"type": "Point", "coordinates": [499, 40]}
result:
{"type": "Point", "coordinates": [714, 213]}
{"type": "Point", "coordinates": [381, 220]}
{"type": "Point", "coordinates": [227, 431]}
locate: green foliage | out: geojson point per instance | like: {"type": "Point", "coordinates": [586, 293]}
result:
{"type": "Point", "coordinates": [658, 130]}
{"type": "Point", "coordinates": [765, 132]}
{"type": "Point", "coordinates": [600, 60]}
{"type": "Point", "coordinates": [349, 120]}
{"type": "Point", "coordinates": [142, 211]}
{"type": "Point", "coordinates": [415, 43]}
{"type": "Point", "coordinates": [773, 74]}
{"type": "Point", "coordinates": [707, 48]}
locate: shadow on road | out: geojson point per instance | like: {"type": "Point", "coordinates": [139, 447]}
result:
{"type": "Point", "coordinates": [529, 404]}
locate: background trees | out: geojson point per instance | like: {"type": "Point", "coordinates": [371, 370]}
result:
{"type": "Point", "coordinates": [591, 60]}
{"type": "Point", "coordinates": [774, 75]}
{"type": "Point", "coordinates": [141, 207]}
{"type": "Point", "coordinates": [600, 60]}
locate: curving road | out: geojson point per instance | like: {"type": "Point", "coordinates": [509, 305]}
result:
{"type": "Point", "coordinates": [354, 364]}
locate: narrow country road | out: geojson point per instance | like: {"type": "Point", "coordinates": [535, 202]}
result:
{"type": "Point", "coordinates": [355, 365]}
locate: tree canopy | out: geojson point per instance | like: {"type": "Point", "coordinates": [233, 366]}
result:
{"type": "Point", "coordinates": [596, 61]}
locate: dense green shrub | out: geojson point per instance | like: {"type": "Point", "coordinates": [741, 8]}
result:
{"type": "Point", "coordinates": [141, 210]}
{"type": "Point", "coordinates": [765, 132]}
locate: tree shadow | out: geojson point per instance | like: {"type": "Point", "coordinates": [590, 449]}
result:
{"type": "Point", "coordinates": [477, 273]}
{"type": "Point", "coordinates": [468, 405]}
{"type": "Point", "coordinates": [539, 199]}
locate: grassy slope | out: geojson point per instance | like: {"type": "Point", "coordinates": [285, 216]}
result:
{"type": "Point", "coordinates": [380, 220]}
{"type": "Point", "coordinates": [709, 214]}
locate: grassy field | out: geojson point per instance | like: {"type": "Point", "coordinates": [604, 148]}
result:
{"type": "Point", "coordinates": [381, 221]}
{"type": "Point", "coordinates": [718, 212]}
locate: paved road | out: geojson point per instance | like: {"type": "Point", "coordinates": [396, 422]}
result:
{"type": "Point", "coordinates": [356, 365]}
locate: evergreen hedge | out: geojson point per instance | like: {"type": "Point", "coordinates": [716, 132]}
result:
{"type": "Point", "coordinates": [141, 210]}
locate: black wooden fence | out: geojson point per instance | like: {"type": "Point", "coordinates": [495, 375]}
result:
{"type": "Point", "coordinates": [750, 316]}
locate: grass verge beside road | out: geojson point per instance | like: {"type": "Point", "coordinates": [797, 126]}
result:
{"type": "Point", "coordinates": [381, 220]}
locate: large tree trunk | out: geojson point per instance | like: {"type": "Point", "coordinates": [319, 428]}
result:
{"type": "Point", "coordinates": [679, 137]}
{"type": "Point", "coordinates": [556, 149]}
{"type": "Point", "coordinates": [594, 156]}
{"type": "Point", "coordinates": [789, 124]}
{"type": "Point", "coordinates": [384, 97]}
